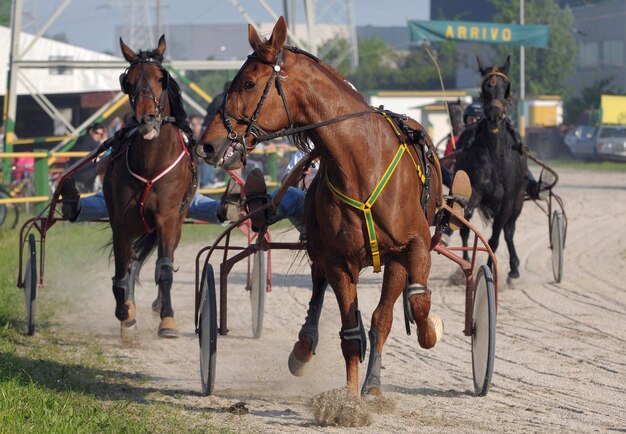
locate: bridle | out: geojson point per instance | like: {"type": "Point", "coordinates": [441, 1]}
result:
{"type": "Point", "coordinates": [146, 91]}
{"type": "Point", "coordinates": [257, 133]}
{"type": "Point", "coordinates": [253, 129]}
{"type": "Point", "coordinates": [502, 104]}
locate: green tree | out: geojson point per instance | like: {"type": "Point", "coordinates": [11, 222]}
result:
{"type": "Point", "coordinates": [381, 67]}
{"type": "Point", "coordinates": [5, 12]}
{"type": "Point", "coordinates": [377, 65]}
{"type": "Point", "coordinates": [588, 102]}
{"type": "Point", "coordinates": [547, 69]}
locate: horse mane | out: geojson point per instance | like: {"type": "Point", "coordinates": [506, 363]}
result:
{"type": "Point", "coordinates": [302, 140]}
{"type": "Point", "coordinates": [176, 105]}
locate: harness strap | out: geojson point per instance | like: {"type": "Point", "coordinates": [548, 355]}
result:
{"type": "Point", "coordinates": [366, 206]}
{"type": "Point", "coordinates": [150, 182]}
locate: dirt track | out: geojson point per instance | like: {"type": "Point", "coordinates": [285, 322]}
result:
{"type": "Point", "coordinates": [560, 350]}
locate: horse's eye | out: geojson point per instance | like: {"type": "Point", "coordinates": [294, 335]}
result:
{"type": "Point", "coordinates": [249, 85]}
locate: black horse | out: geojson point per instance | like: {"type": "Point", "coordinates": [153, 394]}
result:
{"type": "Point", "coordinates": [493, 159]}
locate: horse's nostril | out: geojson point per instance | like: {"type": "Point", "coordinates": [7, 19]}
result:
{"type": "Point", "coordinates": [209, 150]}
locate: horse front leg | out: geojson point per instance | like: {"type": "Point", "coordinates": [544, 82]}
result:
{"type": "Point", "coordinates": [168, 235]}
{"type": "Point", "coordinates": [509, 232]}
{"type": "Point", "coordinates": [304, 348]}
{"type": "Point", "coordinates": [394, 281]}
{"type": "Point", "coordinates": [494, 241]}
{"type": "Point", "coordinates": [352, 334]}
{"type": "Point", "coordinates": [429, 327]}
{"type": "Point", "coordinates": [124, 280]}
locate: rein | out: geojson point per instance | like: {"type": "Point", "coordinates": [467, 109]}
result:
{"type": "Point", "coordinates": [259, 135]}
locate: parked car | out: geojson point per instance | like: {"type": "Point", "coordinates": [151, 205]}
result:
{"type": "Point", "coordinates": [611, 142]}
{"type": "Point", "coordinates": [581, 142]}
{"type": "Point", "coordinates": [605, 142]}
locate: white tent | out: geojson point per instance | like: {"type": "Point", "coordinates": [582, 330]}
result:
{"type": "Point", "coordinates": [55, 80]}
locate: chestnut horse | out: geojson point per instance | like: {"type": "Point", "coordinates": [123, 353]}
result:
{"type": "Point", "coordinates": [148, 183]}
{"type": "Point", "coordinates": [372, 202]}
{"type": "Point", "coordinates": [492, 157]}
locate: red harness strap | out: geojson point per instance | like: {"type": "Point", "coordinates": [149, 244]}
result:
{"type": "Point", "coordinates": [150, 182]}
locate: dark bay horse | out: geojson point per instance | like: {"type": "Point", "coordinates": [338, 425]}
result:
{"type": "Point", "coordinates": [493, 160]}
{"type": "Point", "coordinates": [376, 193]}
{"type": "Point", "coordinates": [148, 183]}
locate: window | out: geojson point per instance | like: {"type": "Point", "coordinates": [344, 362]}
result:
{"type": "Point", "coordinates": [613, 52]}
{"type": "Point", "coordinates": [588, 55]}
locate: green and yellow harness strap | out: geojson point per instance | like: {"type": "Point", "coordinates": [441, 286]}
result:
{"type": "Point", "coordinates": [366, 206]}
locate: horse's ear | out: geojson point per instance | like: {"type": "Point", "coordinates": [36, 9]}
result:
{"type": "Point", "coordinates": [481, 68]}
{"type": "Point", "coordinates": [254, 39]}
{"type": "Point", "coordinates": [279, 34]}
{"type": "Point", "coordinates": [129, 54]}
{"type": "Point", "coordinates": [162, 46]}
{"type": "Point", "coordinates": [507, 64]}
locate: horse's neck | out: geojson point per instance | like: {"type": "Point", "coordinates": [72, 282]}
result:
{"type": "Point", "coordinates": [357, 151]}
{"type": "Point", "coordinates": [153, 156]}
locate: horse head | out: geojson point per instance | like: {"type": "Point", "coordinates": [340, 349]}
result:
{"type": "Point", "coordinates": [255, 104]}
{"type": "Point", "coordinates": [146, 84]}
{"type": "Point", "coordinates": [495, 90]}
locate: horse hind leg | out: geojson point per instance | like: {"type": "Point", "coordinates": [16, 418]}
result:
{"type": "Point", "coordinates": [164, 277]}
{"type": "Point", "coordinates": [382, 319]}
{"type": "Point", "coordinates": [304, 349]}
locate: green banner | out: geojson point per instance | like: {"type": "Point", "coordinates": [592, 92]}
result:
{"type": "Point", "coordinates": [484, 33]}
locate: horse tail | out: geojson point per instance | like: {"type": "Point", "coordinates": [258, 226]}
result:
{"type": "Point", "coordinates": [144, 245]}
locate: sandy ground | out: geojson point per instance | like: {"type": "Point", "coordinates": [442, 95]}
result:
{"type": "Point", "coordinates": [560, 349]}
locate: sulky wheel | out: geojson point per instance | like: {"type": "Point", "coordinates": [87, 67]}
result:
{"type": "Point", "coordinates": [258, 281]}
{"type": "Point", "coordinates": [557, 244]}
{"type": "Point", "coordinates": [207, 331]}
{"type": "Point", "coordinates": [9, 213]}
{"type": "Point", "coordinates": [30, 285]}
{"type": "Point", "coordinates": [483, 330]}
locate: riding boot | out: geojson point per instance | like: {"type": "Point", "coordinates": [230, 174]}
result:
{"type": "Point", "coordinates": [229, 204]}
{"type": "Point", "coordinates": [70, 199]}
{"type": "Point", "coordinates": [256, 197]}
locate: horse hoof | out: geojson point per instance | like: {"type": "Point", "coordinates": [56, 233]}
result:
{"type": "Point", "coordinates": [296, 367]}
{"type": "Point", "coordinates": [168, 328]}
{"type": "Point", "coordinates": [511, 282]}
{"type": "Point", "coordinates": [437, 324]}
{"type": "Point", "coordinates": [432, 333]}
{"type": "Point", "coordinates": [128, 329]}
{"type": "Point", "coordinates": [372, 392]}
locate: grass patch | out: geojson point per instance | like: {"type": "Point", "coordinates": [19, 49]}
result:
{"type": "Point", "coordinates": [598, 166]}
{"type": "Point", "coordinates": [57, 383]}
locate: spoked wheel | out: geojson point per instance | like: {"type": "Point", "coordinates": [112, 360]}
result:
{"type": "Point", "coordinates": [207, 323]}
{"type": "Point", "coordinates": [483, 330]}
{"type": "Point", "coordinates": [258, 282]}
{"type": "Point", "coordinates": [30, 285]}
{"type": "Point", "coordinates": [557, 245]}
{"type": "Point", "coordinates": [9, 213]}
